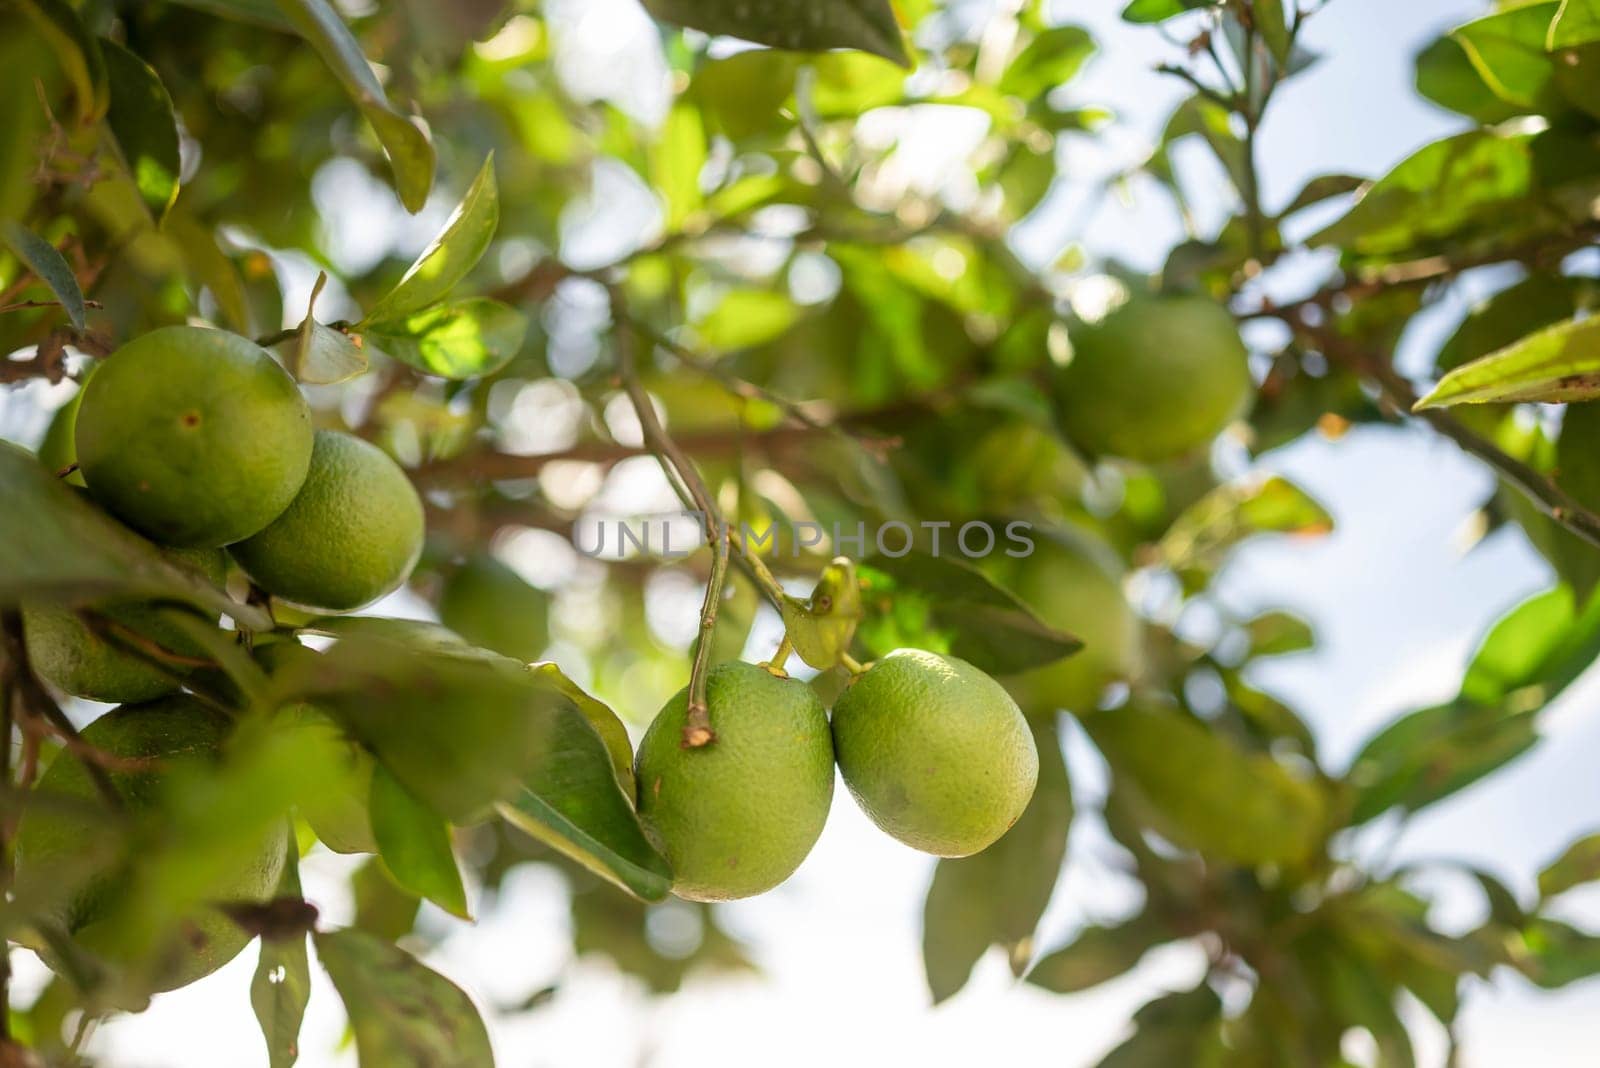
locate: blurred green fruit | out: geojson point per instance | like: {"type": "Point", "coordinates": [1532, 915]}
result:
{"type": "Point", "coordinates": [50, 838]}
{"type": "Point", "coordinates": [491, 606]}
{"type": "Point", "coordinates": [1155, 379]}
{"type": "Point", "coordinates": [59, 449]}
{"type": "Point", "coordinates": [1073, 581]}
{"type": "Point", "coordinates": [352, 534]}
{"type": "Point", "coordinates": [736, 817]}
{"type": "Point", "coordinates": [76, 660]}
{"type": "Point", "coordinates": [935, 751]}
{"type": "Point", "coordinates": [195, 437]}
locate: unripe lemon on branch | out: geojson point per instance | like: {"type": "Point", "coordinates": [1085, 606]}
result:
{"type": "Point", "coordinates": [935, 751]}
{"type": "Point", "coordinates": [737, 816]}
{"type": "Point", "coordinates": [1155, 379]}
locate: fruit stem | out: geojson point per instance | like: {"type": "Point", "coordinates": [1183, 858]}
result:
{"type": "Point", "coordinates": [780, 658]}
{"type": "Point", "coordinates": [852, 665]}
{"type": "Point", "coordinates": [697, 725]}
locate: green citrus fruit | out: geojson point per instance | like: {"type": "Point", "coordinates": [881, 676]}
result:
{"type": "Point", "coordinates": [1156, 378]}
{"type": "Point", "coordinates": [50, 838]}
{"type": "Point", "coordinates": [736, 817]}
{"type": "Point", "coordinates": [76, 660]}
{"type": "Point", "coordinates": [352, 534]}
{"type": "Point", "coordinates": [59, 450]}
{"type": "Point", "coordinates": [196, 437]}
{"type": "Point", "coordinates": [491, 606]}
{"type": "Point", "coordinates": [1073, 581]}
{"type": "Point", "coordinates": [935, 751]}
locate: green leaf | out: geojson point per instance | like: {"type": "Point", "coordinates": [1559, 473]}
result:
{"type": "Point", "coordinates": [1273, 28]}
{"type": "Point", "coordinates": [258, 12]}
{"type": "Point", "coordinates": [1214, 124]}
{"type": "Point", "coordinates": [1212, 797]}
{"type": "Point", "coordinates": [743, 94]}
{"type": "Point", "coordinates": [1049, 60]}
{"type": "Point", "coordinates": [55, 546]}
{"type": "Point", "coordinates": [415, 845]}
{"type": "Point", "coordinates": [77, 50]}
{"type": "Point", "coordinates": [1559, 363]}
{"type": "Point", "coordinates": [1446, 76]}
{"type": "Point", "coordinates": [1098, 954]}
{"type": "Point", "coordinates": [462, 339]}
{"type": "Point", "coordinates": [383, 909]}
{"type": "Point", "coordinates": [1324, 187]}
{"type": "Point", "coordinates": [142, 122]}
{"type": "Point", "coordinates": [410, 152]}
{"type": "Point", "coordinates": [1577, 23]}
{"type": "Point", "coordinates": [454, 251]}
{"type": "Point", "coordinates": [1200, 540]}
{"type": "Point", "coordinates": [1579, 864]}
{"type": "Point", "coordinates": [1440, 190]}
{"type": "Point", "coordinates": [1536, 302]}
{"type": "Point", "coordinates": [1277, 633]}
{"type": "Point", "coordinates": [573, 802]}
{"type": "Point", "coordinates": [794, 25]}
{"type": "Point", "coordinates": [281, 987]}
{"type": "Point", "coordinates": [745, 318]}
{"type": "Point", "coordinates": [1507, 49]}
{"type": "Point", "coordinates": [1145, 11]}
{"type": "Point", "coordinates": [606, 723]}
{"type": "Point", "coordinates": [402, 1013]}
{"type": "Point", "coordinates": [951, 607]}
{"type": "Point", "coordinates": [1554, 954]}
{"type": "Point", "coordinates": [997, 896]}
{"type": "Point", "coordinates": [1174, 1029]}
{"type": "Point", "coordinates": [42, 258]}
{"type": "Point", "coordinates": [677, 160]}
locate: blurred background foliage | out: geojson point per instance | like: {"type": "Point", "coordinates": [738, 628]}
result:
{"type": "Point", "coordinates": [808, 253]}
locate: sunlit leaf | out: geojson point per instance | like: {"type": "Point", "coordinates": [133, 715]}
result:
{"type": "Point", "coordinates": [1554, 954]}
{"type": "Point", "coordinates": [1559, 363]}
{"type": "Point", "coordinates": [1507, 49]}
{"type": "Point", "coordinates": [1211, 796]}
{"type": "Point", "coordinates": [998, 895]}
{"type": "Point", "coordinates": [1161, 10]}
{"type": "Point", "coordinates": [141, 120]}
{"type": "Point", "coordinates": [678, 158]}
{"type": "Point", "coordinates": [402, 1012]}
{"type": "Point", "coordinates": [410, 151]}
{"type": "Point", "coordinates": [415, 845]}
{"type": "Point", "coordinates": [462, 339]}
{"type": "Point", "coordinates": [1049, 60]}
{"type": "Point", "coordinates": [795, 25]}
{"type": "Point", "coordinates": [745, 318]}
{"type": "Point", "coordinates": [454, 251]}
{"type": "Point", "coordinates": [41, 257]}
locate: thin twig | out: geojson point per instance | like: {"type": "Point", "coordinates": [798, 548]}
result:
{"type": "Point", "coordinates": [697, 728]}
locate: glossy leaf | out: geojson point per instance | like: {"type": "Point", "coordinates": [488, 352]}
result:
{"type": "Point", "coordinates": [402, 1012]}
{"type": "Point", "coordinates": [281, 987]}
{"type": "Point", "coordinates": [415, 845]}
{"type": "Point", "coordinates": [1559, 363]}
{"type": "Point", "coordinates": [996, 897]}
{"type": "Point", "coordinates": [1143, 11]}
{"type": "Point", "coordinates": [1577, 22]}
{"type": "Point", "coordinates": [454, 251]}
{"type": "Point", "coordinates": [1098, 954]}
{"type": "Point", "coordinates": [462, 339]}
{"type": "Point", "coordinates": [794, 25]}
{"type": "Point", "coordinates": [1212, 796]}
{"type": "Point", "coordinates": [56, 546]}
{"type": "Point", "coordinates": [1446, 76]}
{"type": "Point", "coordinates": [141, 120]}
{"type": "Point", "coordinates": [410, 152]}
{"type": "Point", "coordinates": [78, 52]}
{"type": "Point", "coordinates": [47, 264]}
{"type": "Point", "coordinates": [606, 723]}
{"type": "Point", "coordinates": [1507, 49]}
{"type": "Point", "coordinates": [951, 607]}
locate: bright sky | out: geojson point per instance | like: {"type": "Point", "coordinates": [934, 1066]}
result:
{"type": "Point", "coordinates": [1398, 609]}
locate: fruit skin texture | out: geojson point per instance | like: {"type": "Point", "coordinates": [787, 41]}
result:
{"type": "Point", "coordinates": [74, 659]}
{"type": "Point", "coordinates": [1156, 378]}
{"type": "Point", "coordinates": [1073, 580]}
{"type": "Point", "coordinates": [935, 751]}
{"type": "Point", "coordinates": [352, 534]}
{"type": "Point", "coordinates": [194, 437]}
{"type": "Point", "coordinates": [736, 817]}
{"type": "Point", "coordinates": [171, 730]}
